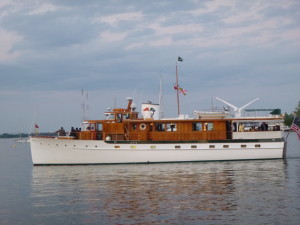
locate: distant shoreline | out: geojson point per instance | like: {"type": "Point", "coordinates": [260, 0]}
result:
{"type": "Point", "coordinates": [6, 135]}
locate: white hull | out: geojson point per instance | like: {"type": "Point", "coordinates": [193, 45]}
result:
{"type": "Point", "coordinates": [49, 151]}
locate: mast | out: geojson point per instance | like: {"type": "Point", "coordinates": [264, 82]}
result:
{"type": "Point", "coordinates": [177, 90]}
{"type": "Point", "coordinates": [84, 105]}
{"type": "Point", "coordinates": [160, 100]}
{"type": "Point", "coordinates": [179, 59]}
{"type": "Point", "coordinates": [34, 120]}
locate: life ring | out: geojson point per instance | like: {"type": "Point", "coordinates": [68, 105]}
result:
{"type": "Point", "coordinates": [143, 126]}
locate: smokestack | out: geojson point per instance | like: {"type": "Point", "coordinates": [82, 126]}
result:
{"type": "Point", "coordinates": [129, 99]}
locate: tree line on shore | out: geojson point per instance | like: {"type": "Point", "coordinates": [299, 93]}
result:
{"type": "Point", "coordinates": [23, 135]}
{"type": "Point", "coordinates": [289, 118]}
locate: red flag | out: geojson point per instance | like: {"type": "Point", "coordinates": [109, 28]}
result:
{"type": "Point", "coordinates": [36, 126]}
{"type": "Point", "coordinates": [295, 127]}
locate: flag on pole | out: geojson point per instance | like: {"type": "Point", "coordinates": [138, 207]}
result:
{"type": "Point", "coordinates": [295, 126]}
{"type": "Point", "coordinates": [181, 90]}
{"type": "Point", "coordinates": [180, 59]}
{"type": "Point", "coordinates": [36, 129]}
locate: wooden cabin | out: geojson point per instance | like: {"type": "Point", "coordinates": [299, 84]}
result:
{"type": "Point", "coordinates": [125, 125]}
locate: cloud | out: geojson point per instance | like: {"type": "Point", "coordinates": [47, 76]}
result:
{"type": "Point", "coordinates": [115, 19]}
{"type": "Point", "coordinates": [110, 48]}
{"type": "Point", "coordinates": [8, 40]}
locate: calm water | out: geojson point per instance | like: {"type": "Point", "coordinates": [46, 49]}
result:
{"type": "Point", "coordinates": [246, 192]}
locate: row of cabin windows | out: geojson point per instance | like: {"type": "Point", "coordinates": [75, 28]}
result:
{"type": "Point", "coordinates": [171, 127]}
{"type": "Point", "coordinates": [203, 126]}
{"type": "Point", "coordinates": [198, 126]}
{"type": "Point", "coordinates": [119, 117]}
{"type": "Point", "coordinates": [92, 126]}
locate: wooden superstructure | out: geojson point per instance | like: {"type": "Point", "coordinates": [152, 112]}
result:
{"type": "Point", "coordinates": [123, 124]}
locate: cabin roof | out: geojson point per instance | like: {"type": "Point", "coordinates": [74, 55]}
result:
{"type": "Point", "coordinates": [141, 120]}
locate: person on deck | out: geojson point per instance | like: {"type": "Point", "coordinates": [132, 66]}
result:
{"type": "Point", "coordinates": [264, 126]}
{"type": "Point", "coordinates": [61, 132]}
{"type": "Point", "coordinates": [73, 132]}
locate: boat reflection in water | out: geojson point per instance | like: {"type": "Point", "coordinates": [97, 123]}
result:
{"type": "Point", "coordinates": [155, 193]}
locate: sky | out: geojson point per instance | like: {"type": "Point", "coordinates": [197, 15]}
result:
{"type": "Point", "coordinates": [51, 50]}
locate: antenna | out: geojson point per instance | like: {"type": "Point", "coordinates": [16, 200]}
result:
{"type": "Point", "coordinates": [84, 105]}
{"type": "Point", "coordinates": [237, 111]}
{"type": "Point", "coordinates": [87, 105]}
{"type": "Point", "coordinates": [34, 119]}
{"type": "Point", "coordinates": [160, 100]}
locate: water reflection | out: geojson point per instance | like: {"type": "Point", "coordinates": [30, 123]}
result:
{"type": "Point", "coordinates": [155, 193]}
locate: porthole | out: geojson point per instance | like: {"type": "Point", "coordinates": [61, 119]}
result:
{"type": "Point", "coordinates": [143, 126]}
{"type": "Point", "coordinates": [177, 146]}
{"type": "Point", "coordinates": [211, 146]}
{"type": "Point", "coordinates": [194, 146]}
{"type": "Point", "coordinates": [243, 146]}
{"type": "Point", "coordinates": [225, 146]}
{"type": "Point", "coordinates": [257, 146]}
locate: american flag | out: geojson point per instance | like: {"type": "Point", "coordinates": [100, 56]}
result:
{"type": "Point", "coordinates": [295, 127]}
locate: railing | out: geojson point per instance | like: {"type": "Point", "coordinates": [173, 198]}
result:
{"type": "Point", "coordinates": [257, 135]}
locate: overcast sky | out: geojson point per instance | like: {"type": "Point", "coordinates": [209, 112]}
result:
{"type": "Point", "coordinates": [52, 49]}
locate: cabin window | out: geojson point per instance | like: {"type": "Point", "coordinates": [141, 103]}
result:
{"type": "Point", "coordinates": [194, 146]}
{"type": "Point", "coordinates": [119, 118]}
{"type": "Point", "coordinates": [197, 126]}
{"type": "Point", "coordinates": [117, 146]}
{"type": "Point", "coordinates": [171, 127]}
{"type": "Point", "coordinates": [132, 146]}
{"type": "Point", "coordinates": [126, 116]}
{"type": "Point", "coordinates": [150, 127]}
{"type": "Point", "coordinates": [92, 126]}
{"type": "Point", "coordinates": [85, 126]}
{"type": "Point", "coordinates": [243, 146]}
{"type": "Point", "coordinates": [211, 146]}
{"type": "Point", "coordinates": [257, 146]}
{"type": "Point", "coordinates": [134, 126]}
{"type": "Point", "coordinates": [225, 146]}
{"type": "Point", "coordinates": [159, 127]}
{"type": "Point", "coordinates": [177, 146]}
{"type": "Point", "coordinates": [153, 147]}
{"type": "Point", "coordinates": [99, 127]}
{"type": "Point", "coordinates": [234, 127]}
{"type": "Point", "coordinates": [109, 116]}
{"type": "Point", "coordinates": [208, 126]}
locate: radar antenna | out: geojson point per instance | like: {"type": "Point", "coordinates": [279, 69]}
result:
{"type": "Point", "coordinates": [237, 111]}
